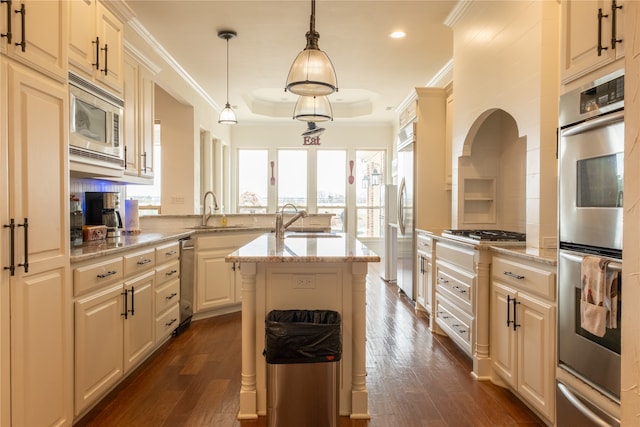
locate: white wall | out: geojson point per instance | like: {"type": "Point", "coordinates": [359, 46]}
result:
{"type": "Point", "coordinates": [506, 57]}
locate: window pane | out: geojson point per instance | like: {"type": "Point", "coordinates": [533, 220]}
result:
{"type": "Point", "coordinates": [370, 177]}
{"type": "Point", "coordinates": [331, 185]}
{"type": "Point", "coordinates": [292, 178]}
{"type": "Point", "coordinates": [253, 176]}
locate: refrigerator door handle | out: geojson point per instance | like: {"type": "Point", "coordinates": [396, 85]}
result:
{"type": "Point", "coordinates": [401, 191]}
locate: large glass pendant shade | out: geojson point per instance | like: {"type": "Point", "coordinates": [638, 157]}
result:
{"type": "Point", "coordinates": [313, 109]}
{"type": "Point", "coordinates": [312, 73]}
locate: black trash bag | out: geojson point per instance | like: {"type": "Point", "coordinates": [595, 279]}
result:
{"type": "Point", "coordinates": [303, 336]}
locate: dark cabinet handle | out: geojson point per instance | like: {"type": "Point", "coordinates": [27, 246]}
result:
{"type": "Point", "coordinates": [12, 253]}
{"type": "Point", "coordinates": [171, 322]}
{"type": "Point", "coordinates": [614, 24]}
{"type": "Point", "coordinates": [170, 253]}
{"type": "Point", "coordinates": [133, 296]}
{"type": "Point", "coordinates": [515, 276]}
{"type": "Point", "coordinates": [171, 273]}
{"type": "Point", "coordinates": [97, 43]}
{"type": "Point", "coordinates": [8, 34]}
{"type": "Point", "coordinates": [600, 16]}
{"type": "Point", "coordinates": [107, 274]}
{"type": "Point", "coordinates": [144, 261]}
{"type": "Point", "coordinates": [168, 297]}
{"type": "Point", "coordinates": [509, 321]}
{"type": "Point", "coordinates": [26, 246]}
{"type": "Point", "coordinates": [144, 161]}
{"type": "Point", "coordinates": [105, 70]}
{"type": "Point", "coordinates": [125, 294]}
{"type": "Point", "coordinates": [22, 11]}
{"type": "Point", "coordinates": [516, 325]}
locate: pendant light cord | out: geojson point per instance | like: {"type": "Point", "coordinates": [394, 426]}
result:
{"type": "Point", "coordinates": [227, 70]}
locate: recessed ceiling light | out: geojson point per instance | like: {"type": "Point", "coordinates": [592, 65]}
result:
{"type": "Point", "coordinates": [397, 34]}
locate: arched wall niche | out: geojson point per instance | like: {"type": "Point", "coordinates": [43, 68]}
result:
{"type": "Point", "coordinates": [492, 174]}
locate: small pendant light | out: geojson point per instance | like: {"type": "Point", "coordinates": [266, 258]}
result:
{"type": "Point", "coordinates": [312, 72]}
{"type": "Point", "coordinates": [313, 109]}
{"type": "Point", "coordinates": [227, 116]}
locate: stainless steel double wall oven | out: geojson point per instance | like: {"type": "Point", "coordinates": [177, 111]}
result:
{"type": "Point", "coordinates": [591, 170]}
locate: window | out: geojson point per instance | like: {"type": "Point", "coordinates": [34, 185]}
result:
{"type": "Point", "coordinates": [148, 196]}
{"type": "Point", "coordinates": [369, 193]}
{"type": "Point", "coordinates": [331, 184]}
{"type": "Point", "coordinates": [252, 181]}
{"type": "Point", "coordinates": [292, 178]}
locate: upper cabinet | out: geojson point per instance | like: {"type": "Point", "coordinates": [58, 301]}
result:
{"type": "Point", "coordinates": [34, 33]}
{"type": "Point", "coordinates": [95, 43]}
{"type": "Point", "coordinates": [592, 36]}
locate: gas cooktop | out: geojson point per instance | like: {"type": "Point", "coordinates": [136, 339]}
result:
{"type": "Point", "coordinates": [486, 235]}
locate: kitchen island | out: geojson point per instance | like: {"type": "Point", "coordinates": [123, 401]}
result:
{"type": "Point", "coordinates": [306, 271]}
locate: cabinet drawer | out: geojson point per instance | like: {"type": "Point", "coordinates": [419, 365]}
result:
{"type": "Point", "coordinates": [97, 275]}
{"type": "Point", "coordinates": [139, 261]}
{"type": "Point", "coordinates": [457, 255]}
{"type": "Point", "coordinates": [424, 243]}
{"type": "Point", "coordinates": [167, 295]}
{"type": "Point", "coordinates": [167, 253]}
{"type": "Point", "coordinates": [167, 323]}
{"type": "Point", "coordinates": [525, 277]}
{"type": "Point", "coordinates": [455, 323]}
{"type": "Point", "coordinates": [458, 284]}
{"type": "Point", "coordinates": [167, 272]}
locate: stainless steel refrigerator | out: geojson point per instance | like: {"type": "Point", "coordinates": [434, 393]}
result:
{"type": "Point", "coordinates": [405, 249]}
{"type": "Point", "coordinates": [389, 195]}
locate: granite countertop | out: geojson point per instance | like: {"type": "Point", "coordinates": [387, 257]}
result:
{"type": "Point", "coordinates": [546, 256]}
{"type": "Point", "coordinates": [304, 247]}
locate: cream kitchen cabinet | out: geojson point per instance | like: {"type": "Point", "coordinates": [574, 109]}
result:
{"type": "Point", "coordinates": [592, 36]}
{"type": "Point", "coordinates": [95, 43]}
{"type": "Point", "coordinates": [523, 330]}
{"type": "Point", "coordinates": [425, 289]}
{"type": "Point", "coordinates": [36, 329]}
{"type": "Point", "coordinates": [216, 280]}
{"type": "Point", "coordinates": [138, 119]}
{"type": "Point", "coordinates": [115, 322]}
{"type": "Point", "coordinates": [34, 33]}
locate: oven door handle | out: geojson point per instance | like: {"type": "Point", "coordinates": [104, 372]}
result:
{"type": "Point", "coordinates": [598, 122]}
{"type": "Point", "coordinates": [612, 266]}
{"type": "Point", "coordinates": [581, 406]}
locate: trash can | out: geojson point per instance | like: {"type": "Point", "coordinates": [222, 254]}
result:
{"type": "Point", "coordinates": [303, 348]}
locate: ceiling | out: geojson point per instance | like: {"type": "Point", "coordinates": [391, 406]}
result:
{"type": "Point", "coordinates": [375, 72]}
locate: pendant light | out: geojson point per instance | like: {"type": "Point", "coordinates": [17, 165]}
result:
{"type": "Point", "coordinates": [313, 109]}
{"type": "Point", "coordinates": [312, 72]}
{"type": "Point", "coordinates": [227, 116]}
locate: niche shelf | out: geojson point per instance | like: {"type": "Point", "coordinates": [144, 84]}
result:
{"type": "Point", "coordinates": [478, 197]}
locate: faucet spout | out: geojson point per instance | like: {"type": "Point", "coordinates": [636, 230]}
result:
{"type": "Point", "coordinates": [281, 226]}
{"type": "Point", "coordinates": [205, 216]}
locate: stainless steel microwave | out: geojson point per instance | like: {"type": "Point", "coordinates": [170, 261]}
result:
{"type": "Point", "coordinates": [95, 128]}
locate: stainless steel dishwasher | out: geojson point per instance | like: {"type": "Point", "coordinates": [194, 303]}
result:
{"type": "Point", "coordinates": [187, 271]}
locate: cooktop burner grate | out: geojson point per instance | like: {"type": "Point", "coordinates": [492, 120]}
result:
{"type": "Point", "coordinates": [489, 235]}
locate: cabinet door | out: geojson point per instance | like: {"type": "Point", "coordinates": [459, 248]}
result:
{"type": "Point", "coordinates": [140, 320]}
{"type": "Point", "coordinates": [82, 37]}
{"type": "Point", "coordinates": [37, 35]}
{"type": "Point", "coordinates": [41, 318]}
{"type": "Point", "coordinates": [99, 344]}
{"type": "Point", "coordinates": [580, 37]}
{"type": "Point", "coordinates": [110, 31]}
{"type": "Point", "coordinates": [215, 278]}
{"type": "Point", "coordinates": [130, 125]}
{"type": "Point", "coordinates": [503, 337]}
{"type": "Point", "coordinates": [421, 286]}
{"type": "Point", "coordinates": [536, 352]}
{"type": "Point", "coordinates": [146, 122]}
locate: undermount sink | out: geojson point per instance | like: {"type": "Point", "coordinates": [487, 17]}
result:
{"type": "Point", "coordinates": [307, 235]}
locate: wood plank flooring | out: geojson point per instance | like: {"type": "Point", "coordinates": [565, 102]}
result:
{"type": "Point", "coordinates": [414, 378]}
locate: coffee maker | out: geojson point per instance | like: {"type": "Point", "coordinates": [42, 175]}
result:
{"type": "Point", "coordinates": [103, 209]}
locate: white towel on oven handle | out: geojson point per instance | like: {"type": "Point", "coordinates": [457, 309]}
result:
{"type": "Point", "coordinates": [593, 310]}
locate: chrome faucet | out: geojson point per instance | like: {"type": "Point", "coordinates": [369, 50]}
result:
{"type": "Point", "coordinates": [280, 224]}
{"type": "Point", "coordinates": [205, 216]}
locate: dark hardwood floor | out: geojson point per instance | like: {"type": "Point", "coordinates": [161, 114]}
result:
{"type": "Point", "coordinates": [414, 378]}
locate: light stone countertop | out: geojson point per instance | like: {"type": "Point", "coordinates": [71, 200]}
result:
{"type": "Point", "coordinates": [545, 256]}
{"type": "Point", "coordinates": [304, 247]}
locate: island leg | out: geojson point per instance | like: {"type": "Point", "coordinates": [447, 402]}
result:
{"type": "Point", "coordinates": [359, 393]}
{"type": "Point", "coordinates": [248, 394]}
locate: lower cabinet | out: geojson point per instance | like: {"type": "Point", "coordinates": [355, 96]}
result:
{"type": "Point", "coordinates": [523, 331]}
{"type": "Point", "coordinates": [217, 285]}
{"type": "Point", "coordinates": [425, 290]}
